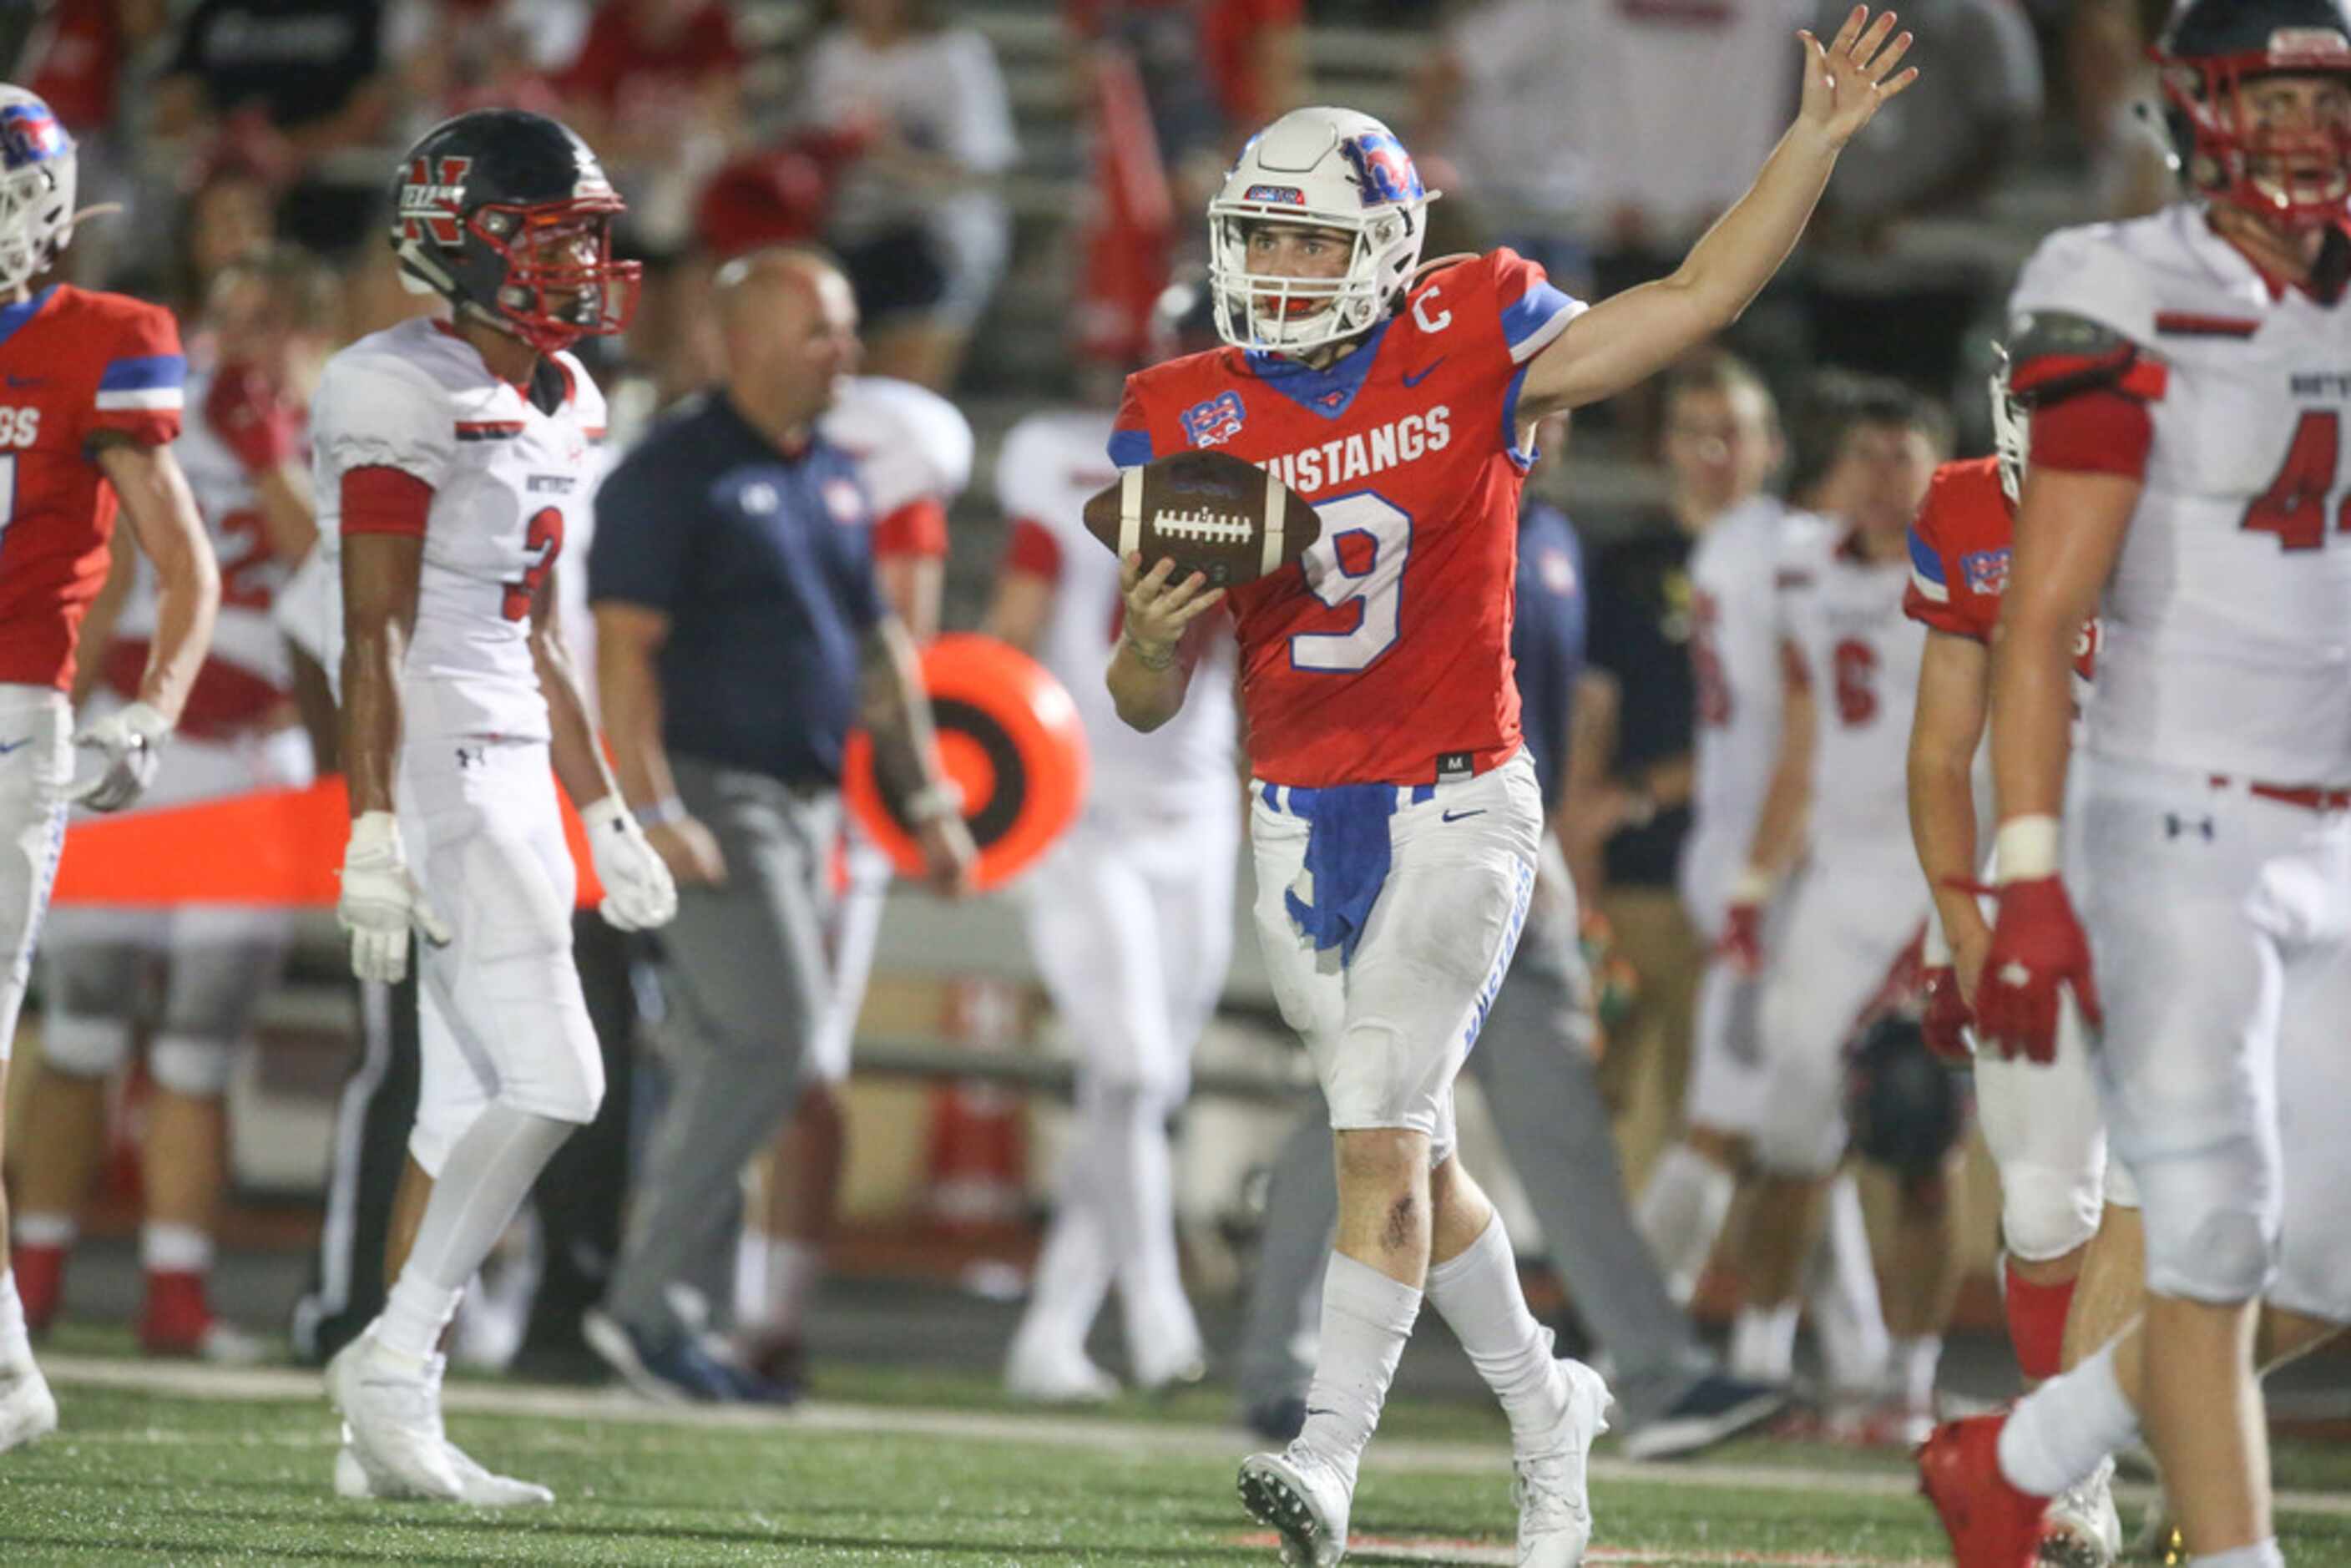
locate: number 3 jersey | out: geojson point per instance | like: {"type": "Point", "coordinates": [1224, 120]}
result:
{"type": "Point", "coordinates": [1386, 660]}
{"type": "Point", "coordinates": [2226, 625]}
{"type": "Point", "coordinates": [1843, 629]}
{"type": "Point", "coordinates": [507, 478]}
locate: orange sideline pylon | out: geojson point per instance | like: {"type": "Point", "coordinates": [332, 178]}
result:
{"type": "Point", "coordinates": [275, 847]}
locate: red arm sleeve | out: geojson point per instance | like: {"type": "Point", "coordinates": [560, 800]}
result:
{"type": "Point", "coordinates": [2104, 432]}
{"type": "Point", "coordinates": [917, 529]}
{"type": "Point", "coordinates": [385, 501]}
{"type": "Point", "coordinates": [1033, 549]}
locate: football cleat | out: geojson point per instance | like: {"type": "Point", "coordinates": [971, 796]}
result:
{"type": "Point", "coordinates": [2082, 1529]}
{"type": "Point", "coordinates": [1042, 1375]}
{"type": "Point", "coordinates": [1552, 1487]}
{"type": "Point", "coordinates": [1716, 1408]}
{"type": "Point", "coordinates": [1305, 1497]}
{"type": "Point", "coordinates": [391, 1407]}
{"type": "Point", "coordinates": [1989, 1522]}
{"type": "Point", "coordinates": [28, 1411]}
{"type": "Point", "coordinates": [478, 1486]}
{"type": "Point", "coordinates": [668, 1372]}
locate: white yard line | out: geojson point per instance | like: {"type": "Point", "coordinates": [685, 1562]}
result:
{"type": "Point", "coordinates": [191, 1380]}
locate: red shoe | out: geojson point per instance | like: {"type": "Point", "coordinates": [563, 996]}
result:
{"type": "Point", "coordinates": [179, 1321]}
{"type": "Point", "coordinates": [1991, 1524]}
{"type": "Point", "coordinates": [40, 1273]}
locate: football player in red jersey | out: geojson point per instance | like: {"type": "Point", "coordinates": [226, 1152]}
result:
{"type": "Point", "coordinates": [87, 412]}
{"type": "Point", "coordinates": [2069, 1217]}
{"type": "Point", "coordinates": [1395, 816]}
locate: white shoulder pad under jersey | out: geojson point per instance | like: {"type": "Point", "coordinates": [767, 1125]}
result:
{"type": "Point", "coordinates": [508, 478]}
{"type": "Point", "coordinates": [909, 443]}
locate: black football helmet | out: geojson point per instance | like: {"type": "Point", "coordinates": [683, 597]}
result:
{"type": "Point", "coordinates": [2211, 50]}
{"type": "Point", "coordinates": [508, 215]}
{"type": "Point", "coordinates": [1905, 1109]}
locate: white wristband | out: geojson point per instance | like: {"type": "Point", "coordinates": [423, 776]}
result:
{"type": "Point", "coordinates": [2027, 849]}
{"type": "Point", "coordinates": [668, 809]}
{"type": "Point", "coordinates": [1753, 885]}
{"type": "Point", "coordinates": [375, 830]}
{"type": "Point", "coordinates": [929, 804]}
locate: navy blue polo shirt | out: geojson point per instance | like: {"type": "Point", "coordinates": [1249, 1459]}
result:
{"type": "Point", "coordinates": [763, 562]}
{"type": "Point", "coordinates": [1546, 638]}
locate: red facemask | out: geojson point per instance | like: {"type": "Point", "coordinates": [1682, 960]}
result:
{"type": "Point", "coordinates": [2299, 178]}
{"type": "Point", "coordinates": [562, 282]}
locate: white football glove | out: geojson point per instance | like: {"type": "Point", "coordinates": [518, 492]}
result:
{"type": "Point", "coordinates": [639, 893]}
{"type": "Point", "coordinates": [132, 739]}
{"type": "Point", "coordinates": [381, 901]}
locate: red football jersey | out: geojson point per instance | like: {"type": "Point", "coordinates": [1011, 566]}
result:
{"type": "Point", "coordinates": [1388, 659]}
{"type": "Point", "coordinates": [72, 364]}
{"type": "Point", "coordinates": [1959, 551]}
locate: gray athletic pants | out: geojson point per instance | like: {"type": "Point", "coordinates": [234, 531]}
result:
{"type": "Point", "coordinates": [1533, 1060]}
{"type": "Point", "coordinates": [747, 981]}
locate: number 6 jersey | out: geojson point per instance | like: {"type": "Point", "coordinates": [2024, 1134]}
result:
{"type": "Point", "coordinates": [1388, 659]}
{"type": "Point", "coordinates": [2227, 622]}
{"type": "Point", "coordinates": [507, 477]}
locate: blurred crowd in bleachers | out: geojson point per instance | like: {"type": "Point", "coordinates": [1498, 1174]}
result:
{"type": "Point", "coordinates": [1020, 176]}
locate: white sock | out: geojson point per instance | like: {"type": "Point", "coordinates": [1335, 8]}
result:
{"type": "Point", "coordinates": [1841, 1289]}
{"type": "Point", "coordinates": [2260, 1554]}
{"type": "Point", "coordinates": [2064, 1429]}
{"type": "Point", "coordinates": [167, 1249]}
{"type": "Point", "coordinates": [46, 1231]}
{"type": "Point", "coordinates": [1681, 1215]}
{"type": "Point", "coordinates": [15, 1345]}
{"type": "Point", "coordinates": [750, 1278]}
{"type": "Point", "coordinates": [1479, 1296]}
{"type": "Point", "coordinates": [1366, 1319]}
{"type": "Point", "coordinates": [793, 1268]}
{"type": "Point", "coordinates": [1763, 1343]}
{"type": "Point", "coordinates": [1911, 1370]}
{"type": "Point", "coordinates": [483, 1182]}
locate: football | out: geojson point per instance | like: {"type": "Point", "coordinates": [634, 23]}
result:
{"type": "Point", "coordinates": [1210, 513]}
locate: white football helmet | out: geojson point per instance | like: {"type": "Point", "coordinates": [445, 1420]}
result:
{"type": "Point", "coordinates": [1324, 168]}
{"type": "Point", "coordinates": [36, 186]}
{"type": "Point", "coordinates": [2011, 429]}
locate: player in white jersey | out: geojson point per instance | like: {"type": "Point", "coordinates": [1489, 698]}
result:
{"type": "Point", "coordinates": [1130, 918]}
{"type": "Point", "coordinates": [1837, 805]}
{"type": "Point", "coordinates": [2187, 376]}
{"type": "Point", "coordinates": [190, 977]}
{"type": "Point", "coordinates": [913, 452]}
{"type": "Point", "coordinates": [450, 457]}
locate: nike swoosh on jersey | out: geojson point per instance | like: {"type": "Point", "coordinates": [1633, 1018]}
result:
{"type": "Point", "coordinates": [1458, 816]}
{"type": "Point", "coordinates": [1426, 371]}
{"type": "Point", "coordinates": [7, 746]}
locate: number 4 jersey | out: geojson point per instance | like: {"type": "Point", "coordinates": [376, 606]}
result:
{"type": "Point", "coordinates": [1388, 659]}
{"type": "Point", "coordinates": [2226, 625]}
{"type": "Point", "coordinates": [507, 477]}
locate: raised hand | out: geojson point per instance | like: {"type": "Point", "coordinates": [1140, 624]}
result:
{"type": "Point", "coordinates": [1846, 82]}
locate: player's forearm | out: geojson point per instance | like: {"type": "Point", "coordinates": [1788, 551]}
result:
{"type": "Point", "coordinates": [897, 713]}
{"type": "Point", "coordinates": [288, 516]}
{"type": "Point", "coordinates": [1781, 827]}
{"type": "Point", "coordinates": [1729, 265]}
{"type": "Point", "coordinates": [2032, 710]}
{"type": "Point", "coordinates": [1146, 685]}
{"type": "Point", "coordinates": [628, 687]}
{"type": "Point", "coordinates": [371, 715]}
{"type": "Point", "coordinates": [578, 759]}
{"type": "Point", "coordinates": [187, 600]}
{"type": "Point", "coordinates": [1943, 831]}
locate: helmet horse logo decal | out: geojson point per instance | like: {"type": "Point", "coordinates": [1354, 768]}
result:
{"type": "Point", "coordinates": [430, 207]}
{"type": "Point", "coordinates": [1384, 170]}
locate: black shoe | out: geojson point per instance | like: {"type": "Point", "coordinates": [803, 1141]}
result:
{"type": "Point", "coordinates": [1718, 1408]}
{"type": "Point", "coordinates": [1277, 1420]}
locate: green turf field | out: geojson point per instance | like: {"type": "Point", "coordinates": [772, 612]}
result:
{"type": "Point", "coordinates": [188, 1465]}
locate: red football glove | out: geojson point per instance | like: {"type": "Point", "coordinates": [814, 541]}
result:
{"type": "Point", "coordinates": [2037, 946]}
{"type": "Point", "coordinates": [245, 411]}
{"type": "Point", "coordinates": [1945, 1015]}
{"type": "Point", "coordinates": [1741, 946]}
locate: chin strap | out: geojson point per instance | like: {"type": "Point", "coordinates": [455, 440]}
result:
{"type": "Point", "coordinates": [2332, 272]}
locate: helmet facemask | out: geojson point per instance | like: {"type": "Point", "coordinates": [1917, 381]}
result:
{"type": "Point", "coordinates": [2011, 431]}
{"type": "Point", "coordinates": [2299, 177]}
{"type": "Point", "coordinates": [561, 283]}
{"type": "Point", "coordinates": [36, 189]}
{"type": "Point", "coordinates": [1297, 315]}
